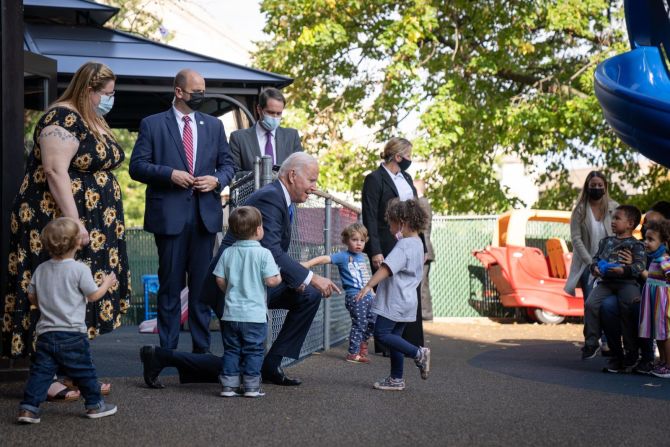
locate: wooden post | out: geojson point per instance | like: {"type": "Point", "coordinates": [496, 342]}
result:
{"type": "Point", "coordinates": [11, 161]}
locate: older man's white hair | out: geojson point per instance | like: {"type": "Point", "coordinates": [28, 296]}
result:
{"type": "Point", "coordinates": [297, 162]}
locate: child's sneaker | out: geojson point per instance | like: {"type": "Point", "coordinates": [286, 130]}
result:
{"type": "Point", "coordinates": [390, 384]}
{"type": "Point", "coordinates": [423, 362]}
{"type": "Point", "coordinates": [27, 417]}
{"type": "Point", "coordinates": [661, 371]}
{"type": "Point", "coordinates": [588, 352]}
{"type": "Point", "coordinates": [229, 391]}
{"type": "Point", "coordinates": [101, 412]}
{"type": "Point", "coordinates": [614, 365]}
{"type": "Point", "coordinates": [364, 349]}
{"type": "Point", "coordinates": [357, 358]}
{"type": "Point", "coordinates": [254, 392]}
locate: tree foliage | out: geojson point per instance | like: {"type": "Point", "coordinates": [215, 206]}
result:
{"type": "Point", "coordinates": [481, 79]}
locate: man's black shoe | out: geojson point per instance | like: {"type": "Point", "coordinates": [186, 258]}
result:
{"type": "Point", "coordinates": [151, 366]}
{"type": "Point", "coordinates": [588, 352]}
{"type": "Point", "coordinates": [278, 377]}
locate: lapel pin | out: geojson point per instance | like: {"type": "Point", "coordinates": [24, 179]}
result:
{"type": "Point", "coordinates": [201, 123]}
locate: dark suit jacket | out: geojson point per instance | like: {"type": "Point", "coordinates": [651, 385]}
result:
{"type": "Point", "coordinates": [159, 150]}
{"type": "Point", "coordinates": [245, 149]}
{"type": "Point", "coordinates": [378, 189]}
{"type": "Point", "coordinates": [271, 203]}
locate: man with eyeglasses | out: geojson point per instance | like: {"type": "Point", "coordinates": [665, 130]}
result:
{"type": "Point", "coordinates": [265, 137]}
{"type": "Point", "coordinates": [183, 157]}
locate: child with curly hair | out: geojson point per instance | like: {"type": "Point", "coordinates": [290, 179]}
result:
{"type": "Point", "coordinates": [654, 305]}
{"type": "Point", "coordinates": [396, 301]}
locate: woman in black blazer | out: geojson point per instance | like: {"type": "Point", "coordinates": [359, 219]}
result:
{"type": "Point", "coordinates": [389, 181]}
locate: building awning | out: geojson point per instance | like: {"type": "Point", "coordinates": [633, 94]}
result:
{"type": "Point", "coordinates": [145, 69]}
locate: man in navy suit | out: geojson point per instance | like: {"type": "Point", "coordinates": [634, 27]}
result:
{"type": "Point", "coordinates": [184, 158]}
{"type": "Point", "coordinates": [300, 292]}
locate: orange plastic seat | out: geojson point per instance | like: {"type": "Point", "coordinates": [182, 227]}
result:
{"type": "Point", "coordinates": [556, 250]}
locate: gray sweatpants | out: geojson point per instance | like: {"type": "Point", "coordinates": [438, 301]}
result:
{"type": "Point", "coordinates": [627, 293]}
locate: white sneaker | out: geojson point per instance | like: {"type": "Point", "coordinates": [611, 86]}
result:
{"type": "Point", "coordinates": [423, 362]}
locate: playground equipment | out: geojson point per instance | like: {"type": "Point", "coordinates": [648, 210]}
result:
{"type": "Point", "coordinates": [523, 276]}
{"type": "Point", "coordinates": [633, 88]}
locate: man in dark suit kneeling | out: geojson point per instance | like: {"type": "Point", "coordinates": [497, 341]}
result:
{"type": "Point", "coordinates": [300, 291]}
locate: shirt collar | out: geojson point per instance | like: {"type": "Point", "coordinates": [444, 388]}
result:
{"type": "Point", "coordinates": [180, 115]}
{"type": "Point", "coordinates": [261, 131]}
{"type": "Point", "coordinates": [391, 173]}
{"type": "Point", "coordinates": [247, 243]}
{"type": "Point", "coordinates": [287, 197]}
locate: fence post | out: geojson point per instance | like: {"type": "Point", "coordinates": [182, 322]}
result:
{"type": "Point", "coordinates": [257, 174]}
{"type": "Point", "coordinates": [266, 170]}
{"type": "Point", "coordinates": [328, 248]}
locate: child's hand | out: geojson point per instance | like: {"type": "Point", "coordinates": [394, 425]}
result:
{"type": "Point", "coordinates": [109, 280]}
{"type": "Point", "coordinates": [364, 291]}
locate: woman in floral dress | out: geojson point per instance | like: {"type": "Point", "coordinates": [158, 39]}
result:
{"type": "Point", "coordinates": [69, 173]}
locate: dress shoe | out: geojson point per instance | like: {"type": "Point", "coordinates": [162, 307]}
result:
{"type": "Point", "coordinates": [151, 367]}
{"type": "Point", "coordinates": [277, 377]}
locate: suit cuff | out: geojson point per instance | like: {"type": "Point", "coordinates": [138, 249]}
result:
{"type": "Point", "coordinates": [308, 279]}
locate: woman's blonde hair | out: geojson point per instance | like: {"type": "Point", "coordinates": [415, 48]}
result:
{"type": "Point", "coordinates": [60, 236]}
{"type": "Point", "coordinates": [584, 196]}
{"type": "Point", "coordinates": [94, 75]}
{"type": "Point", "coordinates": [395, 146]}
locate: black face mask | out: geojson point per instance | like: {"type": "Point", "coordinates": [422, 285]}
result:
{"type": "Point", "coordinates": [404, 164]}
{"type": "Point", "coordinates": [196, 101]}
{"type": "Point", "coordinates": [595, 193]}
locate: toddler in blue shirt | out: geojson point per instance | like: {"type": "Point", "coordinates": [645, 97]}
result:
{"type": "Point", "coordinates": [242, 272]}
{"type": "Point", "coordinates": [354, 273]}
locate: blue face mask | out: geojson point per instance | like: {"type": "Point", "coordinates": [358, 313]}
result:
{"type": "Point", "coordinates": [106, 104]}
{"type": "Point", "coordinates": [270, 123]}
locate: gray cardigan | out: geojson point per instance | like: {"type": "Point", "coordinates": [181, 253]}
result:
{"type": "Point", "coordinates": [581, 242]}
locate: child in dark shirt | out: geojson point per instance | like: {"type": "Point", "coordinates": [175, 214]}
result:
{"type": "Point", "coordinates": [613, 278]}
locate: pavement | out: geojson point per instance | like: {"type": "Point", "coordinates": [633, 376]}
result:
{"type": "Point", "coordinates": [490, 384]}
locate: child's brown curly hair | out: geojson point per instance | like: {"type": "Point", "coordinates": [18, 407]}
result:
{"type": "Point", "coordinates": [661, 227]}
{"type": "Point", "coordinates": [410, 212]}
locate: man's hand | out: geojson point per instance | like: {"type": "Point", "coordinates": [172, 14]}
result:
{"type": "Point", "coordinates": [324, 285]}
{"type": "Point", "coordinates": [206, 183]}
{"type": "Point", "coordinates": [182, 178]}
{"type": "Point", "coordinates": [377, 261]}
{"type": "Point", "coordinates": [596, 272]}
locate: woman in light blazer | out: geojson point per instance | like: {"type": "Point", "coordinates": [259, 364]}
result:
{"type": "Point", "coordinates": [591, 221]}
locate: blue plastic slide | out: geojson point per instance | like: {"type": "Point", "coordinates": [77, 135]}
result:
{"type": "Point", "coordinates": [633, 88]}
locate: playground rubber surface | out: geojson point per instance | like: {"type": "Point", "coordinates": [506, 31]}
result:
{"type": "Point", "coordinates": [490, 384]}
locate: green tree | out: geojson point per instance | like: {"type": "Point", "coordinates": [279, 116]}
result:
{"type": "Point", "coordinates": [482, 79]}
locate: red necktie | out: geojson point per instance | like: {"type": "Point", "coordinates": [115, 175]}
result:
{"type": "Point", "coordinates": [188, 142]}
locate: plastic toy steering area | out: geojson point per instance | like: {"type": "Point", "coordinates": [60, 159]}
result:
{"type": "Point", "coordinates": [523, 276]}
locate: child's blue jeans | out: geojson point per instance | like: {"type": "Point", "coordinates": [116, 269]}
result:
{"type": "Point", "coordinates": [389, 333]}
{"type": "Point", "coordinates": [362, 321]}
{"type": "Point", "coordinates": [69, 353]}
{"type": "Point", "coordinates": [243, 350]}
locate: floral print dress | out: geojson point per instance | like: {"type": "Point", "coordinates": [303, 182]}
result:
{"type": "Point", "coordinates": [97, 196]}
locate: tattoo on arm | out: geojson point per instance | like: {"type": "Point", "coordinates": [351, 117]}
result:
{"type": "Point", "coordinates": [57, 132]}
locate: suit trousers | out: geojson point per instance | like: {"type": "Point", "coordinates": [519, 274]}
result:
{"type": "Point", "coordinates": [183, 258]}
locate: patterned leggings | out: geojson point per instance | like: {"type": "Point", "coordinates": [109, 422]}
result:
{"type": "Point", "coordinates": [362, 321]}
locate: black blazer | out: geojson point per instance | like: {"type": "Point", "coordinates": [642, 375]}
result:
{"type": "Point", "coordinates": [378, 189]}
